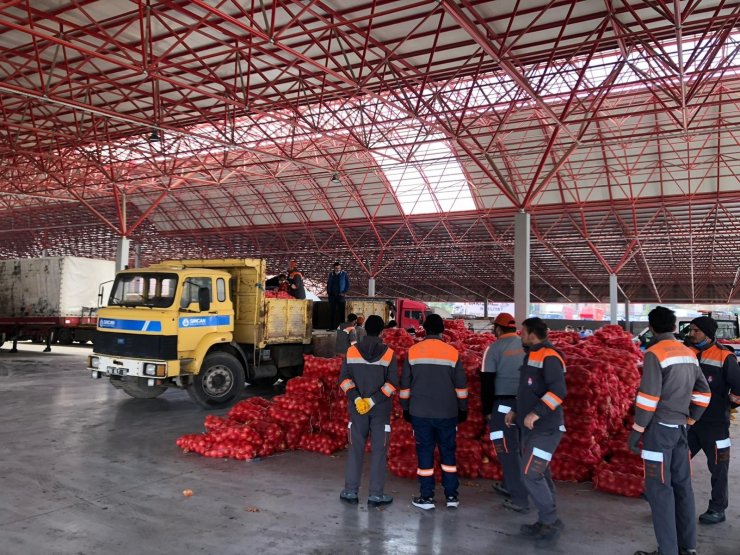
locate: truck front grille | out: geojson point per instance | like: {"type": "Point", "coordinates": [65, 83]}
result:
{"type": "Point", "coordinates": [159, 347]}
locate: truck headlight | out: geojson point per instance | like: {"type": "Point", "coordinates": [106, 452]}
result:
{"type": "Point", "coordinates": [152, 369]}
{"type": "Point", "coordinates": [93, 362]}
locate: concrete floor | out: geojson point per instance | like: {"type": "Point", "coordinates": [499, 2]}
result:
{"type": "Point", "coordinates": [87, 470]}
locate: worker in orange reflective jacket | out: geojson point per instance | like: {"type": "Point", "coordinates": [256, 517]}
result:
{"type": "Point", "coordinates": [711, 433]}
{"type": "Point", "coordinates": [434, 398]}
{"type": "Point", "coordinates": [369, 377]}
{"type": "Point", "coordinates": [539, 415]}
{"type": "Point", "coordinates": [673, 394]}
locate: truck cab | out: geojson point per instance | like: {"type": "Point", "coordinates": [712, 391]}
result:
{"type": "Point", "coordinates": [410, 314]}
{"type": "Point", "coordinates": [201, 325]}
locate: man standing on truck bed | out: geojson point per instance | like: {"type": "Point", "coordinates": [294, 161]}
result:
{"type": "Point", "coordinates": [336, 288]}
{"type": "Point", "coordinates": [295, 278]}
{"type": "Point", "coordinates": [369, 378]}
{"type": "Point", "coordinates": [711, 433]}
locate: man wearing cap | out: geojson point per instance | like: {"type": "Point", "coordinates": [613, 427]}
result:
{"type": "Point", "coordinates": [502, 361]}
{"type": "Point", "coordinates": [337, 286]}
{"type": "Point", "coordinates": [711, 433]}
{"type": "Point", "coordinates": [369, 378]}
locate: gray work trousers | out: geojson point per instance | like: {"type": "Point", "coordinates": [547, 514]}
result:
{"type": "Point", "coordinates": [665, 454]}
{"type": "Point", "coordinates": [538, 448]}
{"type": "Point", "coordinates": [506, 442]}
{"type": "Point", "coordinates": [377, 425]}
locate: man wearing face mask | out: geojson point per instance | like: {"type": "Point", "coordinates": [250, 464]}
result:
{"type": "Point", "coordinates": [711, 433]}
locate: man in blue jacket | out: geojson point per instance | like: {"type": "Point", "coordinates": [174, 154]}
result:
{"type": "Point", "coordinates": [336, 287]}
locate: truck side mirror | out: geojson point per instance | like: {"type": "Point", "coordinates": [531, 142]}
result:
{"type": "Point", "coordinates": [204, 299]}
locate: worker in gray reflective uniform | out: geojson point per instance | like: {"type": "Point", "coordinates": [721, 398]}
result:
{"type": "Point", "coordinates": [502, 361]}
{"type": "Point", "coordinates": [711, 434]}
{"type": "Point", "coordinates": [346, 335]}
{"type": "Point", "coordinates": [369, 378]}
{"type": "Point", "coordinates": [673, 393]}
{"type": "Point", "coordinates": [539, 415]}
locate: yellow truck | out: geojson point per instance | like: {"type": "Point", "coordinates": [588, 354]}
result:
{"type": "Point", "coordinates": [202, 325]}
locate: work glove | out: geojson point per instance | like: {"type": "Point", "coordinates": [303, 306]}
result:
{"type": "Point", "coordinates": [633, 440]}
{"type": "Point", "coordinates": [370, 403]}
{"type": "Point", "coordinates": [462, 416]}
{"type": "Point", "coordinates": [407, 416]}
{"type": "Point", "coordinates": [361, 405]}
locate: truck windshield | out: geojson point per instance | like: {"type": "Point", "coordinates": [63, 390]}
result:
{"type": "Point", "coordinates": [145, 289]}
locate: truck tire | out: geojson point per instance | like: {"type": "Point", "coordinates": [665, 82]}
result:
{"type": "Point", "coordinates": [219, 382]}
{"type": "Point", "coordinates": [140, 391]}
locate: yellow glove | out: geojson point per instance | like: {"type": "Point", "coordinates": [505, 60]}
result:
{"type": "Point", "coordinates": [370, 403]}
{"type": "Point", "coordinates": [361, 405]}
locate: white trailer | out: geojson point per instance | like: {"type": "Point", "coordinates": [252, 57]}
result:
{"type": "Point", "coordinates": [52, 298]}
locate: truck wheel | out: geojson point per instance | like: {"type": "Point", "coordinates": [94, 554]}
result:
{"type": "Point", "coordinates": [219, 382]}
{"type": "Point", "coordinates": [141, 391]}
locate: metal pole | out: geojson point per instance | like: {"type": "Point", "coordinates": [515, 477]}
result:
{"type": "Point", "coordinates": [627, 315]}
{"type": "Point", "coordinates": [613, 298]}
{"type": "Point", "coordinates": [371, 287]}
{"type": "Point", "coordinates": [122, 253]}
{"type": "Point", "coordinates": [521, 265]}
{"type": "Point", "coordinates": [485, 308]}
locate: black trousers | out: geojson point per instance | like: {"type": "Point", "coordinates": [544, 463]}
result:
{"type": "Point", "coordinates": [714, 439]}
{"type": "Point", "coordinates": [336, 308]}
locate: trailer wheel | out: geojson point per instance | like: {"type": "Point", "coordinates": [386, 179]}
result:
{"type": "Point", "coordinates": [141, 391]}
{"type": "Point", "coordinates": [219, 382]}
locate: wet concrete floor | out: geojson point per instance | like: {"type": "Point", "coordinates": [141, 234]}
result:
{"type": "Point", "coordinates": [88, 470]}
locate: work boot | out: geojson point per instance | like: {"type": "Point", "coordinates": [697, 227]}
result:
{"type": "Point", "coordinates": [349, 497]}
{"type": "Point", "coordinates": [712, 517]}
{"type": "Point", "coordinates": [452, 501]}
{"type": "Point", "coordinates": [547, 532]}
{"type": "Point", "coordinates": [509, 504]}
{"type": "Point", "coordinates": [378, 500]}
{"type": "Point", "coordinates": [683, 551]}
{"type": "Point", "coordinates": [426, 503]}
{"type": "Point", "coordinates": [499, 488]}
{"type": "Point", "coordinates": [531, 530]}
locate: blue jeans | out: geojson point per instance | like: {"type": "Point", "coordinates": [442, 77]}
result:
{"type": "Point", "coordinates": [439, 432]}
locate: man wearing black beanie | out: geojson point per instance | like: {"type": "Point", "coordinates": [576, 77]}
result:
{"type": "Point", "coordinates": [369, 378]}
{"type": "Point", "coordinates": [434, 398]}
{"type": "Point", "coordinates": [711, 433]}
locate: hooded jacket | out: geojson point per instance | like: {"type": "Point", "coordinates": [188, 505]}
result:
{"type": "Point", "coordinates": [720, 368]}
{"type": "Point", "coordinates": [370, 370]}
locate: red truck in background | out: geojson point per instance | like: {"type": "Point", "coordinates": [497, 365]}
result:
{"type": "Point", "coordinates": [51, 299]}
{"type": "Point", "coordinates": [410, 314]}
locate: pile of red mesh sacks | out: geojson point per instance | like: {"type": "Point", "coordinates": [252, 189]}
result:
{"type": "Point", "coordinates": [278, 295]}
{"type": "Point", "coordinates": [311, 415]}
{"type": "Point", "coordinates": [603, 372]}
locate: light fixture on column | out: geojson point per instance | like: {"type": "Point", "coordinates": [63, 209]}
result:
{"type": "Point", "coordinates": [154, 136]}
